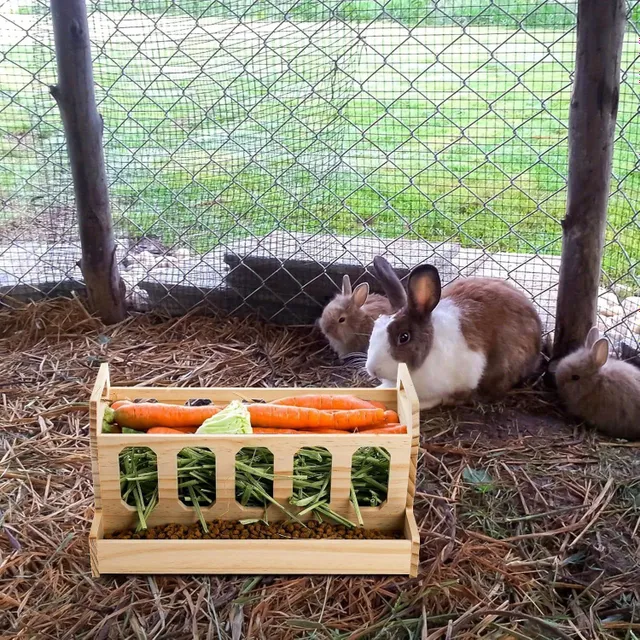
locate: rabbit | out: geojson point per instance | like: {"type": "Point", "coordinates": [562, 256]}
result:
{"type": "Point", "coordinates": [474, 337]}
{"type": "Point", "coordinates": [605, 393]}
{"type": "Point", "coordinates": [348, 319]}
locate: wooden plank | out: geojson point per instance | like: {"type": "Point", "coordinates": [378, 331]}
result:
{"type": "Point", "coordinates": [411, 533]}
{"type": "Point", "coordinates": [592, 120]}
{"type": "Point", "coordinates": [83, 127]}
{"type": "Point", "coordinates": [291, 557]}
{"type": "Point", "coordinates": [225, 395]}
{"type": "Point", "coordinates": [96, 533]}
{"type": "Point", "coordinates": [96, 414]}
{"type": "Point", "coordinates": [409, 414]}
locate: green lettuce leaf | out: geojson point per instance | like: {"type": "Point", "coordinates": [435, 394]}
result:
{"type": "Point", "coordinates": [234, 418]}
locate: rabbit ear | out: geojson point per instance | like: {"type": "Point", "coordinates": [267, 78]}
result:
{"type": "Point", "coordinates": [424, 289]}
{"type": "Point", "coordinates": [390, 283]}
{"type": "Point", "coordinates": [360, 294]}
{"type": "Point", "coordinates": [592, 336]}
{"type": "Point", "coordinates": [600, 352]}
{"type": "Point", "coordinates": [346, 285]}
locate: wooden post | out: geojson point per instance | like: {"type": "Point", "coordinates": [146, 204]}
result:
{"type": "Point", "coordinates": [592, 120]}
{"type": "Point", "coordinates": [83, 125]}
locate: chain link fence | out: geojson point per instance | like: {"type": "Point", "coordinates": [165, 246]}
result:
{"type": "Point", "coordinates": [256, 150]}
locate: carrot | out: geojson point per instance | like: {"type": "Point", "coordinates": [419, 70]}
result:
{"type": "Point", "coordinates": [379, 425]}
{"type": "Point", "coordinates": [333, 431]}
{"type": "Point", "coordinates": [325, 403]}
{"type": "Point", "coordinates": [389, 428]}
{"type": "Point", "coordinates": [145, 415]}
{"type": "Point", "coordinates": [261, 430]}
{"type": "Point", "coordinates": [168, 430]}
{"type": "Point", "coordinates": [284, 417]}
{"type": "Point", "coordinates": [179, 429]}
{"type": "Point", "coordinates": [378, 405]}
{"type": "Point", "coordinates": [391, 417]}
{"type": "Point", "coordinates": [119, 403]}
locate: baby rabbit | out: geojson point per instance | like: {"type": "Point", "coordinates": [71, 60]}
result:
{"type": "Point", "coordinates": [605, 393]}
{"type": "Point", "coordinates": [482, 337]}
{"type": "Point", "coordinates": [348, 319]}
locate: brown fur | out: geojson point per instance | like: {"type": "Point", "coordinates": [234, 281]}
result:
{"type": "Point", "coordinates": [352, 335]}
{"type": "Point", "coordinates": [604, 393]}
{"type": "Point", "coordinates": [500, 321]}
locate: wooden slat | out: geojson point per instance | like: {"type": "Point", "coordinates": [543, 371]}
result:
{"type": "Point", "coordinates": [96, 413]}
{"type": "Point", "coordinates": [182, 394]}
{"type": "Point", "coordinates": [411, 533]}
{"type": "Point", "coordinates": [321, 557]}
{"type": "Point", "coordinates": [96, 534]}
{"type": "Point", "coordinates": [409, 414]}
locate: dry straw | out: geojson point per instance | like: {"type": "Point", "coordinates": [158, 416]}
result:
{"type": "Point", "coordinates": [530, 526]}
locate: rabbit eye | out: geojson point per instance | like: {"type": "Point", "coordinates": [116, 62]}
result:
{"type": "Point", "coordinates": [404, 337]}
{"type": "Point", "coordinates": [341, 320]}
{"type": "Point", "coordinates": [575, 377]}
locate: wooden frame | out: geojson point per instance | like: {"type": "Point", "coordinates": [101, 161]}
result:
{"type": "Point", "coordinates": [300, 556]}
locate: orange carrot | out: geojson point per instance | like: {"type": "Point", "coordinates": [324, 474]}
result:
{"type": "Point", "coordinates": [119, 403]}
{"type": "Point", "coordinates": [179, 429]}
{"type": "Point", "coordinates": [145, 415]}
{"type": "Point", "coordinates": [333, 431]}
{"type": "Point", "coordinates": [168, 430]}
{"type": "Point", "coordinates": [325, 403]}
{"type": "Point", "coordinates": [390, 428]}
{"type": "Point", "coordinates": [391, 417]}
{"type": "Point", "coordinates": [378, 405]}
{"type": "Point", "coordinates": [284, 417]}
{"type": "Point", "coordinates": [260, 430]}
{"type": "Point", "coordinates": [379, 425]}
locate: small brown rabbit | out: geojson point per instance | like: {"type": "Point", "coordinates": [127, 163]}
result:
{"type": "Point", "coordinates": [347, 321]}
{"type": "Point", "coordinates": [604, 393]}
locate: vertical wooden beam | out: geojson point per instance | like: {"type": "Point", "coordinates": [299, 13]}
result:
{"type": "Point", "coordinates": [592, 120]}
{"type": "Point", "coordinates": [75, 96]}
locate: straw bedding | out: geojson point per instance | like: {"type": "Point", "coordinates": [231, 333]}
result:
{"type": "Point", "coordinates": [530, 525]}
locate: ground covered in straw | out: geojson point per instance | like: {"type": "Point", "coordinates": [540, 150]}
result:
{"type": "Point", "coordinates": [526, 521]}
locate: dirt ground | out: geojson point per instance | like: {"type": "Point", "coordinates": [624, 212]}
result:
{"type": "Point", "coordinates": [529, 523]}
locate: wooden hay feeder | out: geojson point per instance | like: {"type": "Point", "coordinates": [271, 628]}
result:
{"type": "Point", "coordinates": [229, 556]}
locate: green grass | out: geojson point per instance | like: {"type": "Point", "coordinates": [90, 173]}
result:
{"type": "Point", "coordinates": [507, 13]}
{"type": "Point", "coordinates": [446, 142]}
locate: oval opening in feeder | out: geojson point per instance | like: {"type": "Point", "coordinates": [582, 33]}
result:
{"type": "Point", "coordinates": [312, 480]}
{"type": "Point", "coordinates": [254, 476]}
{"type": "Point", "coordinates": [370, 476]}
{"type": "Point", "coordinates": [139, 481]}
{"type": "Point", "coordinates": [197, 477]}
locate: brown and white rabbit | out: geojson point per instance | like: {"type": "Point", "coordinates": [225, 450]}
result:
{"type": "Point", "coordinates": [605, 393]}
{"type": "Point", "coordinates": [347, 321]}
{"type": "Point", "coordinates": [476, 336]}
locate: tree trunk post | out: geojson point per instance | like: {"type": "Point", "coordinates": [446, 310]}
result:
{"type": "Point", "coordinates": [592, 121]}
{"type": "Point", "coordinates": [83, 126]}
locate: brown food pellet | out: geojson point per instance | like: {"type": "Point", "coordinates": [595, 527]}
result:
{"type": "Point", "coordinates": [220, 529]}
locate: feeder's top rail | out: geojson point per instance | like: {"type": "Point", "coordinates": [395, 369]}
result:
{"type": "Point", "coordinates": [104, 391]}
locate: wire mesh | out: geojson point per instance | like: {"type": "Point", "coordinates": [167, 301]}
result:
{"type": "Point", "coordinates": [253, 147]}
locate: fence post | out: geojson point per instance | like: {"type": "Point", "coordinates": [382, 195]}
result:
{"type": "Point", "coordinates": [592, 120]}
{"type": "Point", "coordinates": [83, 126]}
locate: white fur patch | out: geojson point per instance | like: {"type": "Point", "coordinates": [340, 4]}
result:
{"type": "Point", "coordinates": [451, 367]}
{"type": "Point", "coordinates": [380, 364]}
